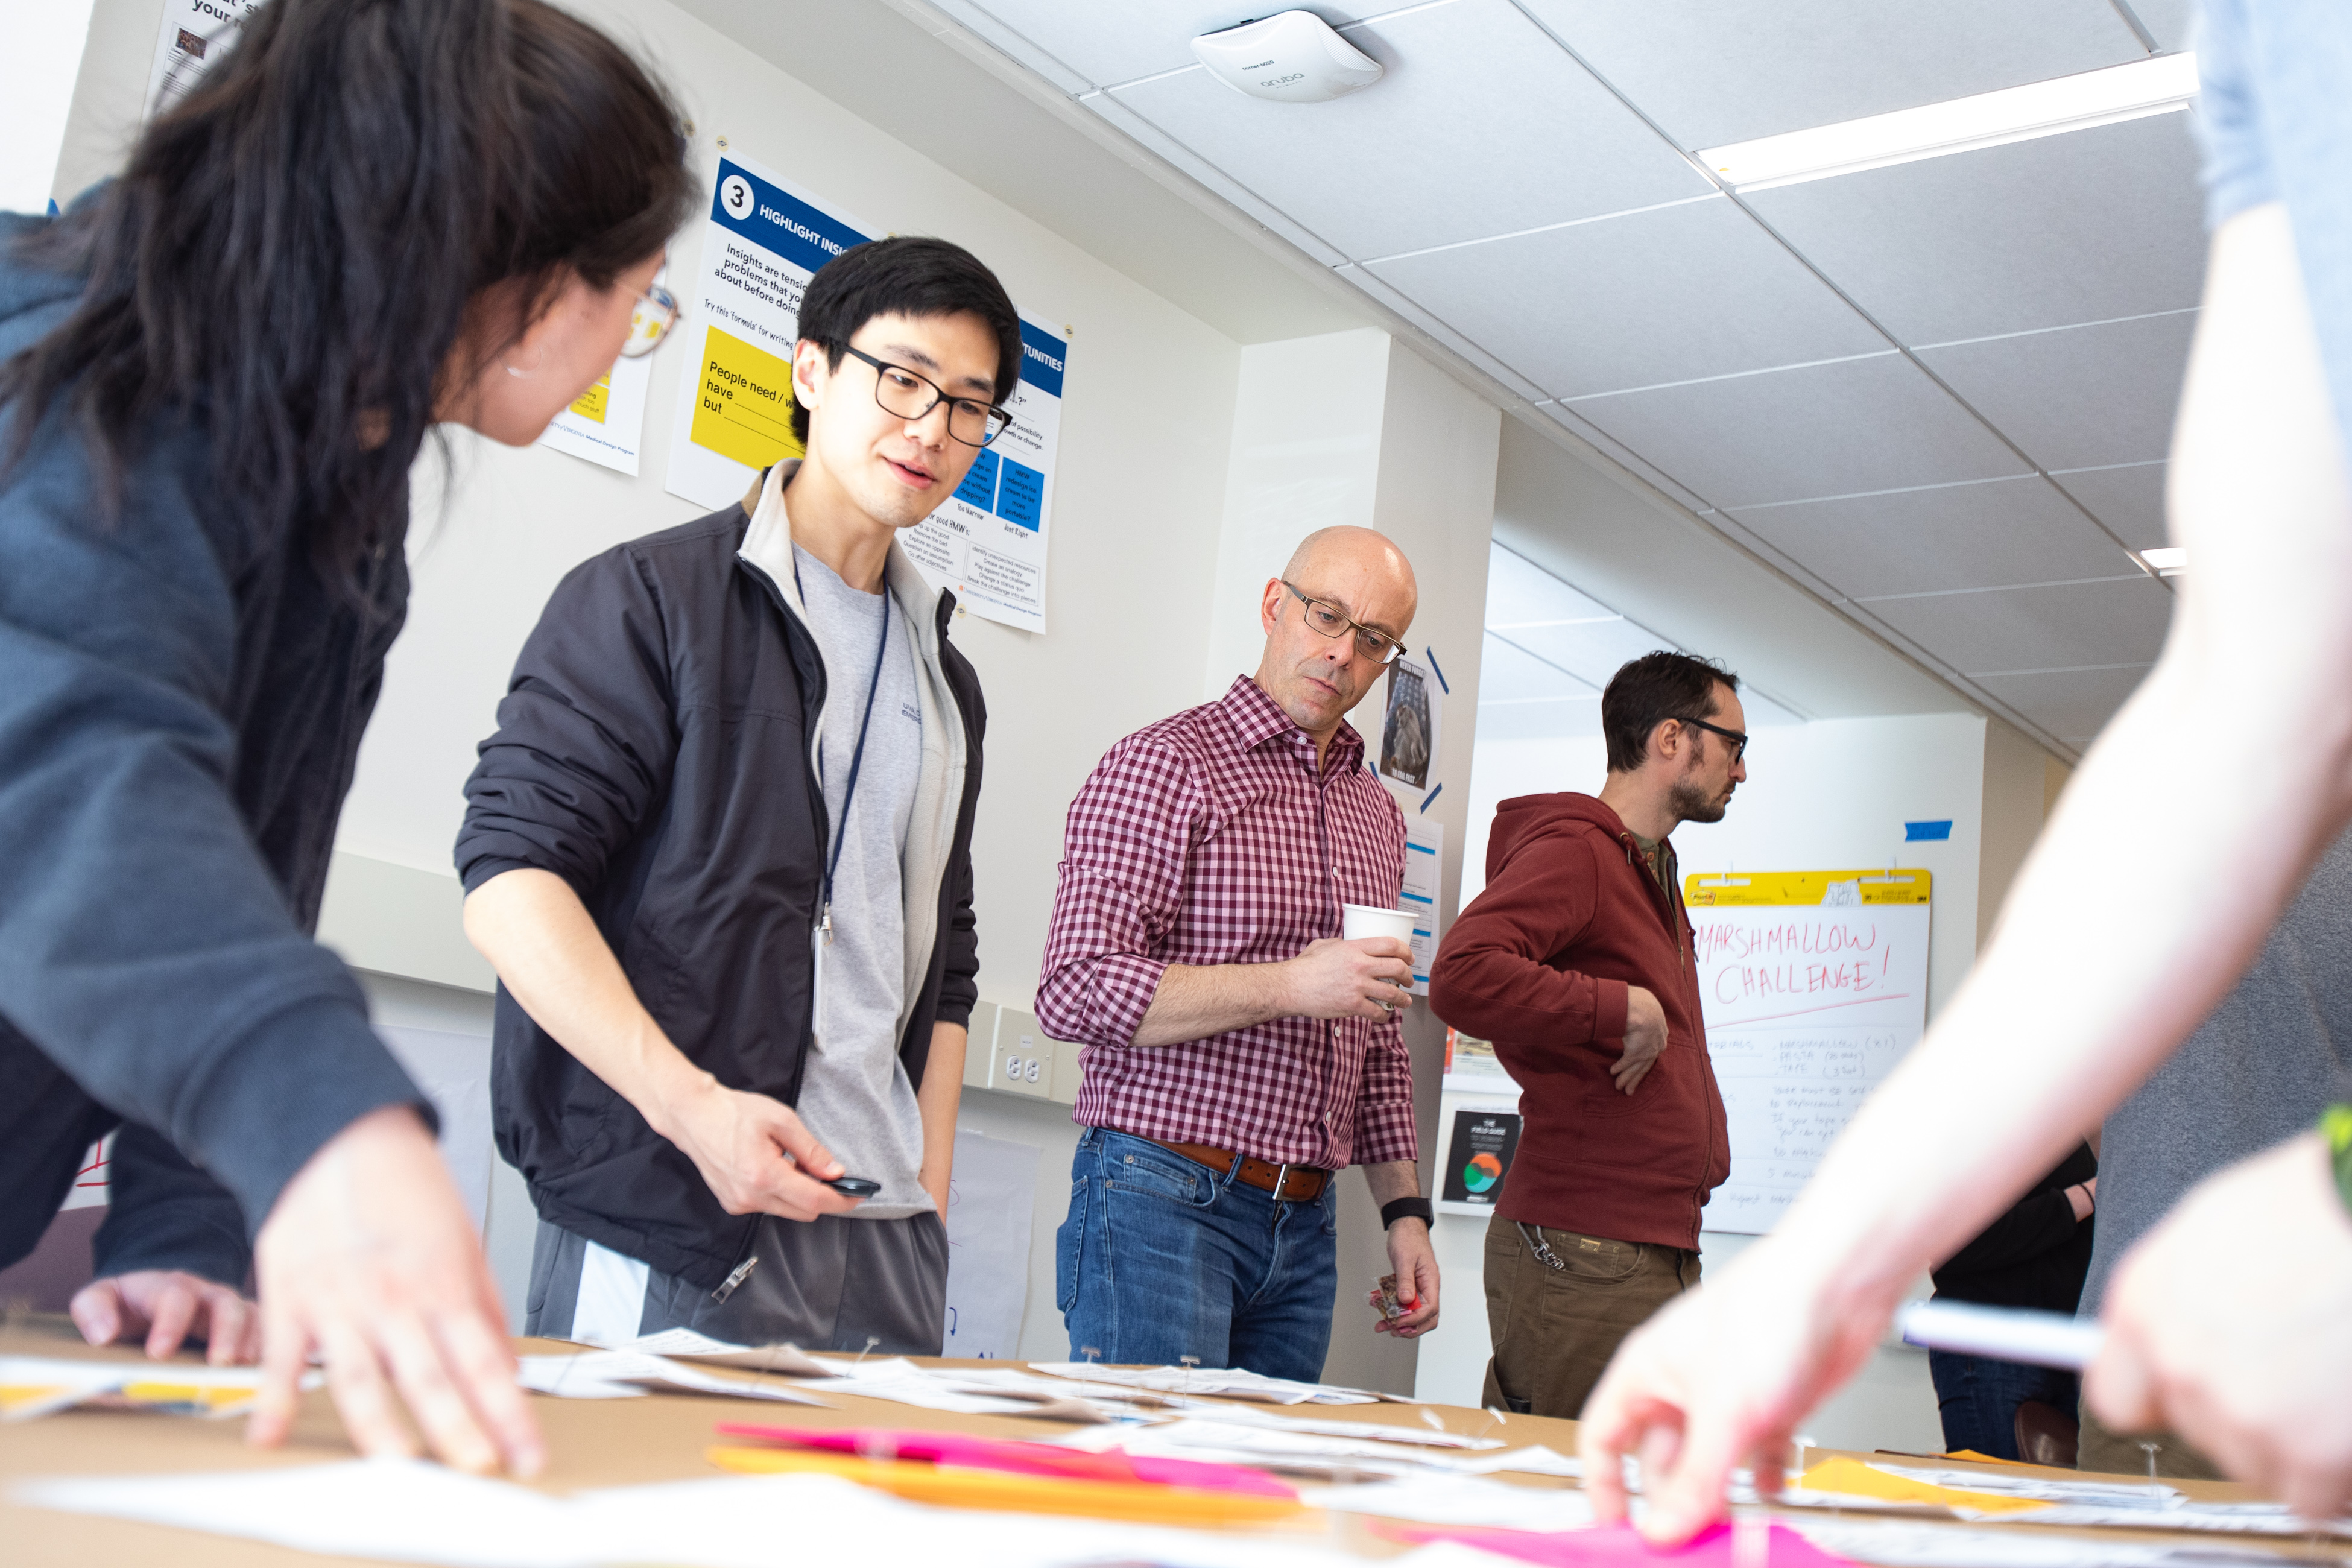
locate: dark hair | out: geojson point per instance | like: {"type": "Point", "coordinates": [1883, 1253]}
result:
{"type": "Point", "coordinates": [1647, 691]}
{"type": "Point", "coordinates": [909, 275]}
{"type": "Point", "coordinates": [289, 256]}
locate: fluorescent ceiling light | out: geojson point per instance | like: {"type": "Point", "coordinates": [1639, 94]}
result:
{"type": "Point", "coordinates": [2169, 562]}
{"type": "Point", "coordinates": [1958, 125]}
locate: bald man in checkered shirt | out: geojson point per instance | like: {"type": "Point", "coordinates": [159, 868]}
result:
{"type": "Point", "coordinates": [1238, 1054]}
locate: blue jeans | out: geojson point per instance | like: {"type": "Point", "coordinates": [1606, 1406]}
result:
{"type": "Point", "coordinates": [1979, 1397]}
{"type": "Point", "coordinates": [1162, 1257]}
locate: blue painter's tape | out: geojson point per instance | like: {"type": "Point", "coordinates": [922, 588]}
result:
{"type": "Point", "coordinates": [1430, 797]}
{"type": "Point", "coordinates": [1926, 832]}
{"type": "Point", "coordinates": [979, 487]}
{"type": "Point", "coordinates": [1443, 684]}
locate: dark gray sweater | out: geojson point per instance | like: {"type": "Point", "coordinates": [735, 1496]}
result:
{"type": "Point", "coordinates": [2257, 1072]}
{"type": "Point", "coordinates": [181, 705]}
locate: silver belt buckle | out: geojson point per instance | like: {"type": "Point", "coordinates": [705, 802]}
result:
{"type": "Point", "coordinates": [1281, 1180]}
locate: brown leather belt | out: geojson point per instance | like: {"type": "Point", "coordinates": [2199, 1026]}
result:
{"type": "Point", "coordinates": [1288, 1183]}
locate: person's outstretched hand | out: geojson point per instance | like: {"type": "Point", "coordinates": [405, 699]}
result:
{"type": "Point", "coordinates": [2248, 1362]}
{"type": "Point", "coordinates": [1716, 1381]}
{"type": "Point", "coordinates": [370, 1259]}
{"type": "Point", "coordinates": [165, 1307]}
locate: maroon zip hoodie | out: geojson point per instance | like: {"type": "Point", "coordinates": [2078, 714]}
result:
{"type": "Point", "coordinates": [1539, 963]}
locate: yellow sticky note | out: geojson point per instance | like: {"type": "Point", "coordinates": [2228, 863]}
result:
{"type": "Point", "coordinates": [1854, 1479]}
{"type": "Point", "coordinates": [743, 408]}
{"type": "Point", "coordinates": [590, 405]}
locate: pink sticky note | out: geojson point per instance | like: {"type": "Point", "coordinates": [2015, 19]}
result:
{"type": "Point", "coordinates": [1622, 1546]}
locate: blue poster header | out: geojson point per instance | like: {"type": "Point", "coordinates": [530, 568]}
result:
{"type": "Point", "coordinates": [1041, 359]}
{"type": "Point", "coordinates": [779, 221]}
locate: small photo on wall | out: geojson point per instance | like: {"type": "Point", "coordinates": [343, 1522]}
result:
{"type": "Point", "coordinates": [1477, 1158]}
{"type": "Point", "coordinates": [1409, 727]}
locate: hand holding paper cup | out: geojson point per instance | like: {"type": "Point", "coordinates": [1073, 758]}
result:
{"type": "Point", "coordinates": [1359, 921]}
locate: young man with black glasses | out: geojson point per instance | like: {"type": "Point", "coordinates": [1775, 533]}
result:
{"type": "Point", "coordinates": [1578, 962]}
{"type": "Point", "coordinates": [1239, 1054]}
{"type": "Point", "coordinates": [719, 851]}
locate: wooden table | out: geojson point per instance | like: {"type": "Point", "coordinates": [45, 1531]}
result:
{"type": "Point", "coordinates": [590, 1443]}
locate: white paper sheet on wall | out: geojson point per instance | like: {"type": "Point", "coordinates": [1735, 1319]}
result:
{"type": "Point", "coordinates": [1424, 861]}
{"type": "Point", "coordinates": [990, 1201]}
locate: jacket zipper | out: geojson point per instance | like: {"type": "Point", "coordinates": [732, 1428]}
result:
{"type": "Point", "coordinates": [1688, 959]}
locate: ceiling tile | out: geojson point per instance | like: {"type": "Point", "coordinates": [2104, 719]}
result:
{"type": "Point", "coordinates": [2127, 498]}
{"type": "Point", "coordinates": [2084, 226]}
{"type": "Point", "coordinates": [1508, 673]}
{"type": "Point", "coordinates": [1108, 41]}
{"type": "Point", "coordinates": [1999, 532]}
{"type": "Point", "coordinates": [2071, 704]}
{"type": "Point", "coordinates": [2062, 627]}
{"type": "Point", "coordinates": [1795, 435]}
{"type": "Point", "coordinates": [1483, 126]}
{"type": "Point", "coordinates": [1717, 71]}
{"type": "Point", "coordinates": [1438, 328]}
{"type": "Point", "coordinates": [1624, 456]}
{"type": "Point", "coordinates": [2171, 23]}
{"type": "Point", "coordinates": [1676, 293]}
{"type": "Point", "coordinates": [2079, 397]}
{"type": "Point", "coordinates": [1592, 650]}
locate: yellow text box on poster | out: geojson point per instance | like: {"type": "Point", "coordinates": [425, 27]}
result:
{"type": "Point", "coordinates": [743, 409]}
{"type": "Point", "coordinates": [590, 405]}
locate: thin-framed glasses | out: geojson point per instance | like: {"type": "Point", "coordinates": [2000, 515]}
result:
{"type": "Point", "coordinates": [1376, 645]}
{"type": "Point", "coordinates": [650, 322]}
{"type": "Point", "coordinates": [905, 394]}
{"type": "Point", "coordinates": [1738, 741]}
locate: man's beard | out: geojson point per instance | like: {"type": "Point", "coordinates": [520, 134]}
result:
{"type": "Point", "coordinates": [1690, 803]}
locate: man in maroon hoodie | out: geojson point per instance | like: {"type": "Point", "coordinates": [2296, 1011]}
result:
{"type": "Point", "coordinates": [1577, 962]}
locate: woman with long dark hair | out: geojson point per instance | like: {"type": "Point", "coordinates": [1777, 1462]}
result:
{"type": "Point", "coordinates": [215, 371]}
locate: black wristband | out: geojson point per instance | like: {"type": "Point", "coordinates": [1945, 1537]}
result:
{"type": "Point", "coordinates": [1406, 1208]}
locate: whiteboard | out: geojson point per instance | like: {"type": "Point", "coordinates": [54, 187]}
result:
{"type": "Point", "coordinates": [1808, 1007]}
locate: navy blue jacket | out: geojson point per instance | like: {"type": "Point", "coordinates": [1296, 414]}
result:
{"type": "Point", "coordinates": [181, 705]}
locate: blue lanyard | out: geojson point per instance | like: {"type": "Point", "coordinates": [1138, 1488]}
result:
{"type": "Point", "coordinates": [856, 757]}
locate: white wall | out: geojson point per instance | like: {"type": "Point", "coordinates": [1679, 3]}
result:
{"type": "Point", "coordinates": [37, 67]}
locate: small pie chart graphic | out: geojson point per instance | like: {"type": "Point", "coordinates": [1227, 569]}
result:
{"type": "Point", "coordinates": [1482, 1173]}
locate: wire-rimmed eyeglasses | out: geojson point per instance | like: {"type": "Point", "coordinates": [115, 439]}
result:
{"type": "Point", "coordinates": [1375, 645]}
{"type": "Point", "coordinates": [650, 322]}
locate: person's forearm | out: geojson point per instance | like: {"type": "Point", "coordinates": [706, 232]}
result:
{"type": "Point", "coordinates": [1393, 1179]}
{"type": "Point", "coordinates": [549, 953]}
{"type": "Point", "coordinates": [2179, 841]}
{"type": "Point", "coordinates": [936, 1100]}
{"type": "Point", "coordinates": [1195, 1002]}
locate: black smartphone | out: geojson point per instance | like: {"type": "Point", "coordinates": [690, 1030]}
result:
{"type": "Point", "coordinates": [854, 1186]}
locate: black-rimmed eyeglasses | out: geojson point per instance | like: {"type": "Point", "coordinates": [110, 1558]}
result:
{"type": "Point", "coordinates": [1376, 645]}
{"type": "Point", "coordinates": [904, 393]}
{"type": "Point", "coordinates": [1738, 740]}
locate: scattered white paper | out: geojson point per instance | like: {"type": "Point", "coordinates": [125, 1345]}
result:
{"type": "Point", "coordinates": [1378, 1431]}
{"type": "Point", "coordinates": [1899, 1543]}
{"type": "Point", "coordinates": [605, 1374]}
{"type": "Point", "coordinates": [1537, 1460]}
{"type": "Point", "coordinates": [37, 1386]}
{"type": "Point", "coordinates": [686, 1344]}
{"type": "Point", "coordinates": [1229, 1382]}
{"type": "Point", "coordinates": [411, 1511]}
{"type": "Point", "coordinates": [1457, 1499]}
{"type": "Point", "coordinates": [2110, 1494]}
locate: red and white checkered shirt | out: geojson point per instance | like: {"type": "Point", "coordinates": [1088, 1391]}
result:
{"type": "Point", "coordinates": [1207, 839]}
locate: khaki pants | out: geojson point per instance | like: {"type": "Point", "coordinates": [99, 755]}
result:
{"type": "Point", "coordinates": [1556, 1324]}
{"type": "Point", "coordinates": [2120, 1452]}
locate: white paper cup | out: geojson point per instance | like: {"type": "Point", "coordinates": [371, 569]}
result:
{"type": "Point", "coordinates": [1369, 920]}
